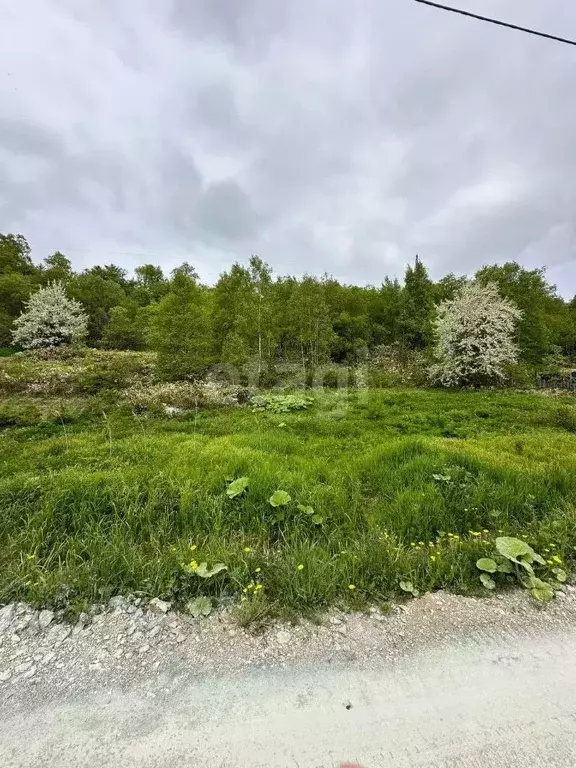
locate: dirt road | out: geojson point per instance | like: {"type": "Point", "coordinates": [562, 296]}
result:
{"type": "Point", "coordinates": [497, 688]}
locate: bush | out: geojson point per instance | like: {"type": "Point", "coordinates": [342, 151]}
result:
{"type": "Point", "coordinates": [395, 366]}
{"type": "Point", "coordinates": [565, 417]}
{"type": "Point", "coordinates": [182, 394]}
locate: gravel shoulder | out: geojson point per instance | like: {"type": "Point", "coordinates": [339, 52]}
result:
{"type": "Point", "coordinates": [134, 686]}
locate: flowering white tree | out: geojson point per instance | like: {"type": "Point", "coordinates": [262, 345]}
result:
{"type": "Point", "coordinates": [50, 320]}
{"type": "Point", "coordinates": [474, 335]}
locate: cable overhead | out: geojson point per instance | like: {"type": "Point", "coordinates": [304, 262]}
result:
{"type": "Point", "coordinates": [498, 23]}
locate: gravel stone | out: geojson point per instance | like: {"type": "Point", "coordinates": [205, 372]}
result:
{"type": "Point", "coordinates": [159, 606]}
{"type": "Point", "coordinates": [45, 618]}
{"type": "Point", "coordinates": [6, 615]}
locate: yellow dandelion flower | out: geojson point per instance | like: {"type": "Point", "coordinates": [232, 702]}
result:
{"type": "Point", "coordinates": [351, 586]}
{"type": "Point", "coordinates": [300, 567]}
{"type": "Point", "coordinates": [193, 564]}
{"type": "Point", "coordinates": [193, 547]}
{"type": "Point", "coordinates": [247, 549]}
{"type": "Point", "coordinates": [557, 559]}
{"type": "Point", "coordinates": [433, 558]}
{"type": "Point", "coordinates": [257, 570]}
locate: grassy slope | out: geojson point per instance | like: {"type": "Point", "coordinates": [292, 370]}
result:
{"type": "Point", "coordinates": [96, 504]}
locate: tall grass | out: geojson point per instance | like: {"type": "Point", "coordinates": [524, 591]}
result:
{"type": "Point", "coordinates": [112, 504]}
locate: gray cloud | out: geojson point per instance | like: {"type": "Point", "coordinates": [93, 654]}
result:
{"type": "Point", "coordinates": [325, 136]}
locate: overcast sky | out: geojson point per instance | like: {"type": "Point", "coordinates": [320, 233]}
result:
{"type": "Point", "coordinates": [324, 135]}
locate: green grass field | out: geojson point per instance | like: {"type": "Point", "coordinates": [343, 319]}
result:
{"type": "Point", "coordinates": [97, 501]}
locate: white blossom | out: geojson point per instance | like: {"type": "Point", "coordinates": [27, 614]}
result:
{"type": "Point", "coordinates": [50, 320]}
{"type": "Point", "coordinates": [474, 335]}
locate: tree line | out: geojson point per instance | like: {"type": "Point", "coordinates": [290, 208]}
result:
{"type": "Point", "coordinates": [250, 314]}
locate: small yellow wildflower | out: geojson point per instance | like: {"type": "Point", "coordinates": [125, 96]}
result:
{"type": "Point", "coordinates": [476, 533]}
{"type": "Point", "coordinates": [193, 547]}
{"type": "Point", "coordinates": [257, 570]}
{"type": "Point", "coordinates": [193, 564]}
{"type": "Point", "coordinates": [300, 567]}
{"type": "Point", "coordinates": [247, 549]}
{"type": "Point", "coordinates": [557, 559]}
{"type": "Point", "coordinates": [351, 586]}
{"type": "Point", "coordinates": [412, 543]}
{"type": "Point", "coordinates": [258, 587]}
{"type": "Point", "coordinates": [31, 557]}
{"type": "Point", "coordinates": [433, 558]}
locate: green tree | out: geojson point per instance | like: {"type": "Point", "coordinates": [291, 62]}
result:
{"type": "Point", "coordinates": [180, 329]}
{"type": "Point", "coordinates": [98, 295]}
{"type": "Point", "coordinates": [19, 278]}
{"type": "Point", "coordinates": [309, 323]}
{"type": "Point", "coordinates": [234, 320]}
{"type": "Point", "coordinates": [447, 287]}
{"type": "Point", "coordinates": [127, 328]}
{"type": "Point", "coordinates": [110, 272]}
{"type": "Point", "coordinates": [15, 256]}
{"type": "Point", "coordinates": [417, 308]}
{"type": "Point", "coordinates": [261, 299]}
{"type": "Point", "coordinates": [56, 268]}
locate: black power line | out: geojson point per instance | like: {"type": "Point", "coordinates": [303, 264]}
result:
{"type": "Point", "coordinates": [495, 21]}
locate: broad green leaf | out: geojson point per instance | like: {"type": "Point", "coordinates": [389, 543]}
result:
{"type": "Point", "coordinates": [407, 586]}
{"type": "Point", "coordinates": [540, 590]}
{"type": "Point", "coordinates": [542, 595]}
{"type": "Point", "coordinates": [526, 565]}
{"type": "Point", "coordinates": [200, 606]}
{"type": "Point", "coordinates": [504, 566]}
{"type": "Point", "coordinates": [317, 519]}
{"type": "Point", "coordinates": [560, 574]}
{"type": "Point", "coordinates": [206, 573]}
{"type": "Point", "coordinates": [487, 581]}
{"type": "Point", "coordinates": [279, 499]}
{"type": "Point", "coordinates": [237, 487]}
{"type": "Point", "coordinates": [538, 558]}
{"type": "Point", "coordinates": [487, 564]}
{"type": "Point", "coordinates": [514, 549]}
{"type": "Point", "coordinates": [308, 510]}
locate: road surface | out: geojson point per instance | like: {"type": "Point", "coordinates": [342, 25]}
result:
{"type": "Point", "coordinates": [476, 702]}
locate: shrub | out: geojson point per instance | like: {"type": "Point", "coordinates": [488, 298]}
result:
{"type": "Point", "coordinates": [396, 366]}
{"type": "Point", "coordinates": [182, 394]}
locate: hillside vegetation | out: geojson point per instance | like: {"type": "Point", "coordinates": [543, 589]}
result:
{"type": "Point", "coordinates": [102, 492]}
